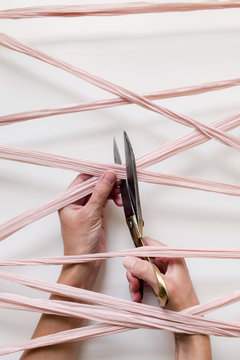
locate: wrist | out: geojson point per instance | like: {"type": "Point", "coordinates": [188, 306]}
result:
{"type": "Point", "coordinates": [194, 346]}
{"type": "Point", "coordinates": [82, 246]}
{"type": "Point", "coordinates": [78, 275]}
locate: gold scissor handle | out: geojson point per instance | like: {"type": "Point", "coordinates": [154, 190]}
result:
{"type": "Point", "coordinates": [162, 289]}
{"type": "Point", "coordinates": [137, 239]}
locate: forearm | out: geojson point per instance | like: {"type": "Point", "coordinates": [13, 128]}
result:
{"type": "Point", "coordinates": [188, 347]}
{"type": "Point", "coordinates": [80, 275]}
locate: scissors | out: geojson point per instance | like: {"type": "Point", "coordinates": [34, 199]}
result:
{"type": "Point", "coordinates": [132, 209]}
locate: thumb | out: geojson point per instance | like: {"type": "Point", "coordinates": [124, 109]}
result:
{"type": "Point", "coordinates": [151, 242]}
{"type": "Point", "coordinates": [102, 190]}
{"type": "Point", "coordinates": [143, 270]}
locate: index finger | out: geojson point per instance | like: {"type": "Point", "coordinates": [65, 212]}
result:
{"type": "Point", "coordinates": [77, 181]}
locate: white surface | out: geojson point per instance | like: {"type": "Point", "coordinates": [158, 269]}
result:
{"type": "Point", "coordinates": [142, 53]}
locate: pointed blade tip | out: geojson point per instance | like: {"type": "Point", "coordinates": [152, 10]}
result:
{"type": "Point", "coordinates": [125, 135]}
{"type": "Point", "coordinates": [117, 157]}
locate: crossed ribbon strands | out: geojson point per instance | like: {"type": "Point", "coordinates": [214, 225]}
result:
{"type": "Point", "coordinates": [114, 314]}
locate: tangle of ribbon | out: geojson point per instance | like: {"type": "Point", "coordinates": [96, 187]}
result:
{"type": "Point", "coordinates": [114, 314]}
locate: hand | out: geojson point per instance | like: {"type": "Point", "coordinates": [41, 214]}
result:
{"type": "Point", "coordinates": [82, 223]}
{"type": "Point", "coordinates": [175, 275]}
{"type": "Point", "coordinates": [181, 295]}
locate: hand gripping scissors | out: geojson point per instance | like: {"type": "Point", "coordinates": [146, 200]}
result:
{"type": "Point", "coordinates": [132, 209]}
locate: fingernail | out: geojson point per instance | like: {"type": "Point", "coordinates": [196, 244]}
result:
{"type": "Point", "coordinates": [129, 262]}
{"type": "Point", "coordinates": [109, 177]}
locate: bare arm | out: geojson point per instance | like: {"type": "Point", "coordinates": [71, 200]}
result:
{"type": "Point", "coordinates": [181, 295]}
{"type": "Point", "coordinates": [82, 225]}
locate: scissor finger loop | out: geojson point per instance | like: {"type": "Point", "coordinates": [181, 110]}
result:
{"type": "Point", "coordinates": [162, 289]}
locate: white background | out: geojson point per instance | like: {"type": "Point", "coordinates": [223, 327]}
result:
{"type": "Point", "coordinates": [143, 53]}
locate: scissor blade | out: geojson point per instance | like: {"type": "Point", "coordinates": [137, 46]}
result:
{"type": "Point", "coordinates": [132, 179]}
{"type": "Point", "coordinates": [117, 157]}
{"type": "Point", "coordinates": [127, 206]}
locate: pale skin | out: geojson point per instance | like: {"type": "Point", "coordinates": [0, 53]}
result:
{"type": "Point", "coordinates": [83, 232]}
{"type": "Point", "coordinates": [181, 296]}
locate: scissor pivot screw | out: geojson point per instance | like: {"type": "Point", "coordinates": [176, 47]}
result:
{"type": "Point", "coordinates": [130, 224]}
